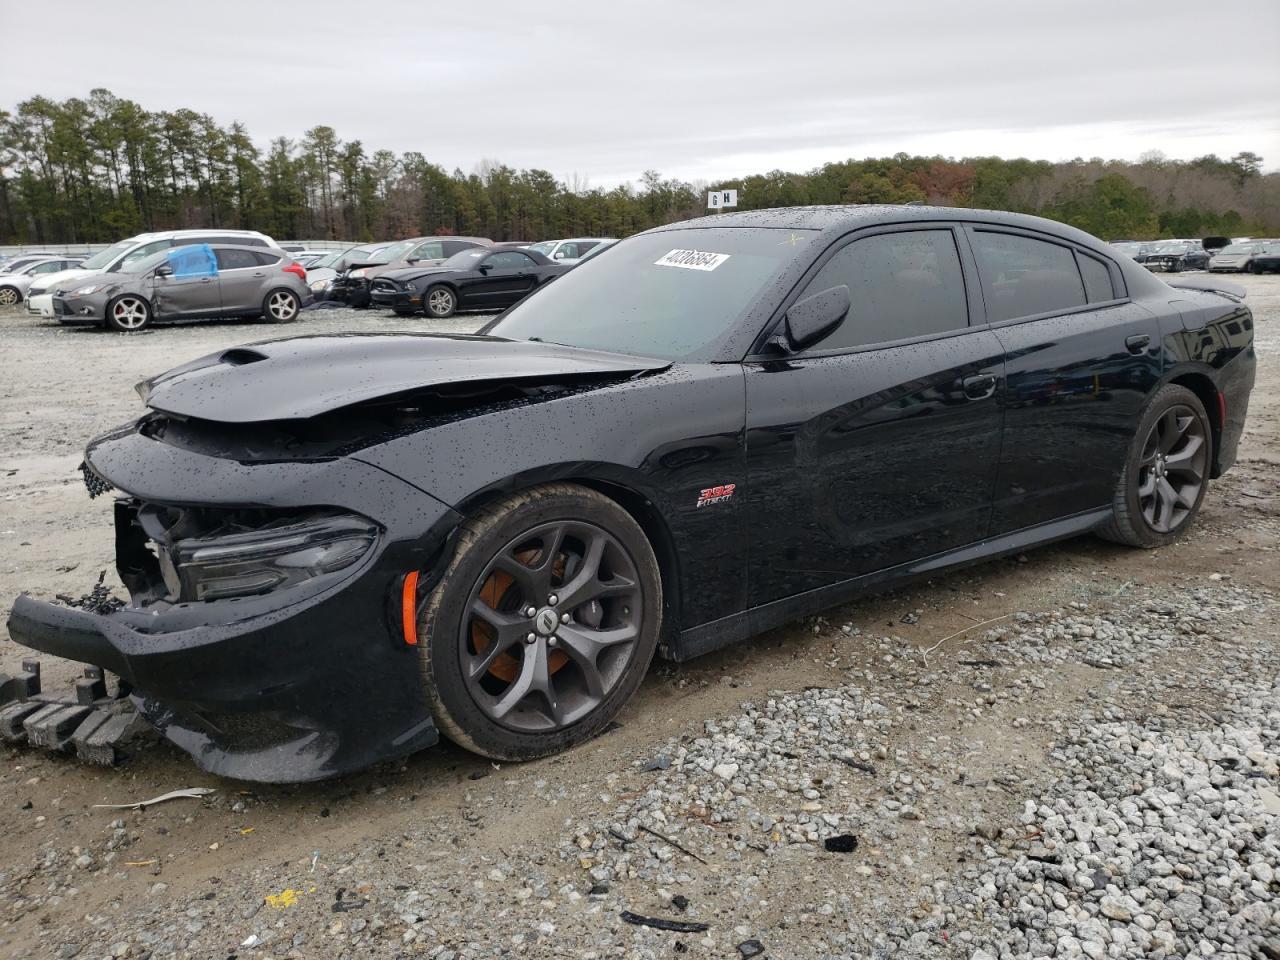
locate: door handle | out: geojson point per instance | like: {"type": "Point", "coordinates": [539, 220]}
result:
{"type": "Point", "coordinates": [1137, 343]}
{"type": "Point", "coordinates": [979, 387]}
{"type": "Point", "coordinates": [207, 280]}
{"type": "Point", "coordinates": [259, 274]}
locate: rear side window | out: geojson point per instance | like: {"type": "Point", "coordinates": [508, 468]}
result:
{"type": "Point", "coordinates": [1097, 279]}
{"type": "Point", "coordinates": [1022, 276]}
{"type": "Point", "coordinates": [431, 250]}
{"type": "Point", "coordinates": [235, 259]}
{"type": "Point", "coordinates": [509, 260]}
{"type": "Point", "coordinates": [901, 285]}
{"type": "Point", "coordinates": [265, 259]}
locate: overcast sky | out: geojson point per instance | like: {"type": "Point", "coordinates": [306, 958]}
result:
{"type": "Point", "coordinates": [700, 91]}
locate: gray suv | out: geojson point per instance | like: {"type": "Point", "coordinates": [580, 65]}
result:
{"type": "Point", "coordinates": [200, 280]}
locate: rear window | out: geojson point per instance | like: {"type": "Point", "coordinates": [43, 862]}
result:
{"type": "Point", "coordinates": [1097, 279]}
{"type": "Point", "coordinates": [1022, 276]}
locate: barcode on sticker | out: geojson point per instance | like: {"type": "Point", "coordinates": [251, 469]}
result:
{"type": "Point", "coordinates": [691, 259]}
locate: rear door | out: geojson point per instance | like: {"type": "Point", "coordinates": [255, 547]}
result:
{"type": "Point", "coordinates": [241, 276]}
{"type": "Point", "coordinates": [1080, 361]}
{"type": "Point", "coordinates": [880, 444]}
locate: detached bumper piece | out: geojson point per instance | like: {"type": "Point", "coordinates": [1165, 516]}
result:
{"type": "Point", "coordinates": [89, 721]}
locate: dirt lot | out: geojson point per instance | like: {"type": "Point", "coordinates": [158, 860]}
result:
{"type": "Point", "coordinates": [1107, 669]}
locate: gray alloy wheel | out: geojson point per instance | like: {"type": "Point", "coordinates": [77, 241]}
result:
{"type": "Point", "coordinates": [128, 314]}
{"type": "Point", "coordinates": [9, 296]}
{"type": "Point", "coordinates": [1166, 472]}
{"type": "Point", "coordinates": [281, 306]}
{"type": "Point", "coordinates": [543, 624]}
{"type": "Point", "coordinates": [440, 302]}
{"type": "Point", "coordinates": [1175, 464]}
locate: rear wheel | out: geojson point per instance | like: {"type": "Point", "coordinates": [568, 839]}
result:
{"type": "Point", "coordinates": [9, 296]}
{"type": "Point", "coordinates": [128, 314]}
{"type": "Point", "coordinates": [281, 306]}
{"type": "Point", "coordinates": [440, 302]}
{"type": "Point", "coordinates": [1166, 473]}
{"type": "Point", "coordinates": [542, 626]}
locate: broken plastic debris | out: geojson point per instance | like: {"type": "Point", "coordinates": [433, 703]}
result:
{"type": "Point", "coordinates": [287, 897]}
{"type": "Point", "coordinates": [658, 923]}
{"type": "Point", "coordinates": [844, 843]}
{"type": "Point", "coordinates": [189, 793]}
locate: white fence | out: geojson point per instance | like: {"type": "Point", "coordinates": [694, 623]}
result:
{"type": "Point", "coordinates": [89, 248]}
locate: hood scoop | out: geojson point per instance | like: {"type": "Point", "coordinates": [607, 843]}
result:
{"type": "Point", "coordinates": [305, 377]}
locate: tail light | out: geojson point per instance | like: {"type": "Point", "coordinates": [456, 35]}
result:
{"type": "Point", "coordinates": [297, 270]}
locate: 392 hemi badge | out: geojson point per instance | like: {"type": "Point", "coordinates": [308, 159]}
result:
{"type": "Point", "coordinates": [715, 495]}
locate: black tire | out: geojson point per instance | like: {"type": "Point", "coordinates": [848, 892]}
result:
{"type": "Point", "coordinates": [281, 306]}
{"type": "Point", "coordinates": [1248, 267]}
{"type": "Point", "coordinates": [440, 302]}
{"type": "Point", "coordinates": [10, 296]}
{"type": "Point", "coordinates": [464, 685]}
{"type": "Point", "coordinates": [1143, 515]}
{"type": "Point", "coordinates": [128, 313]}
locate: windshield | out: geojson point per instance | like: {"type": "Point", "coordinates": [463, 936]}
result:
{"type": "Point", "coordinates": [544, 248]}
{"type": "Point", "coordinates": [143, 264]}
{"type": "Point", "coordinates": [395, 251]}
{"type": "Point", "coordinates": [100, 260]}
{"type": "Point", "coordinates": [466, 260]}
{"type": "Point", "coordinates": [675, 295]}
{"type": "Point", "coordinates": [1240, 248]}
{"type": "Point", "coordinates": [329, 259]}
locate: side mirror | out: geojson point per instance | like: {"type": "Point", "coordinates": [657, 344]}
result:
{"type": "Point", "coordinates": [413, 260]}
{"type": "Point", "coordinates": [164, 270]}
{"type": "Point", "coordinates": [811, 319]}
{"type": "Point", "coordinates": [485, 267]}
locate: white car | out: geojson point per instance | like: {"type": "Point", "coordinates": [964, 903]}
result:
{"type": "Point", "coordinates": [14, 285]}
{"type": "Point", "coordinates": [1236, 258]}
{"type": "Point", "coordinates": [22, 260]}
{"type": "Point", "coordinates": [571, 250]}
{"type": "Point", "coordinates": [40, 295]}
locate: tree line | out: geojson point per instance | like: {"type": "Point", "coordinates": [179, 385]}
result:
{"type": "Point", "coordinates": [100, 168]}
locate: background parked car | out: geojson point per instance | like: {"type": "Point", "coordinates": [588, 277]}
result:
{"type": "Point", "coordinates": [15, 264]}
{"type": "Point", "coordinates": [201, 280]}
{"type": "Point", "coordinates": [477, 279]}
{"type": "Point", "coordinates": [1131, 248]}
{"type": "Point", "coordinates": [120, 255]}
{"type": "Point", "coordinates": [1268, 261]}
{"type": "Point", "coordinates": [353, 285]}
{"type": "Point", "coordinates": [321, 274]}
{"type": "Point", "coordinates": [14, 286]}
{"type": "Point", "coordinates": [572, 249]}
{"type": "Point", "coordinates": [1236, 258]}
{"type": "Point", "coordinates": [1174, 256]}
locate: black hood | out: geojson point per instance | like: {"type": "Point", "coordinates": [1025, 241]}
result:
{"type": "Point", "coordinates": [307, 376]}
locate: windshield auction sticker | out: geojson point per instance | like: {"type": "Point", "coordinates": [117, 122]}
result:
{"type": "Point", "coordinates": [691, 259]}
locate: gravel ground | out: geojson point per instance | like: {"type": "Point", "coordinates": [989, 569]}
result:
{"type": "Point", "coordinates": [1068, 753]}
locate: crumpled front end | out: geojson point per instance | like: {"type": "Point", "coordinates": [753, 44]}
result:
{"type": "Point", "coordinates": [263, 632]}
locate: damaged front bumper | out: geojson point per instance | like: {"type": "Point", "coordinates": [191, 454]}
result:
{"type": "Point", "coordinates": [294, 683]}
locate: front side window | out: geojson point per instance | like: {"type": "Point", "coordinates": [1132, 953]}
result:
{"type": "Point", "coordinates": [901, 285]}
{"type": "Point", "coordinates": [1022, 276]}
{"type": "Point", "coordinates": [431, 250]}
{"type": "Point", "coordinates": [509, 260]}
{"type": "Point", "coordinates": [53, 266]}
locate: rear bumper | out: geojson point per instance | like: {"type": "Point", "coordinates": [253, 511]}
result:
{"type": "Point", "coordinates": [298, 685]}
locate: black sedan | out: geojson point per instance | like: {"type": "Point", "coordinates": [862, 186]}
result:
{"type": "Point", "coordinates": [1174, 256]}
{"type": "Point", "coordinates": [338, 548]}
{"type": "Point", "coordinates": [480, 279]}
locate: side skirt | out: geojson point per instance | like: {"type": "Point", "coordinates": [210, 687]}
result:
{"type": "Point", "coordinates": [721, 633]}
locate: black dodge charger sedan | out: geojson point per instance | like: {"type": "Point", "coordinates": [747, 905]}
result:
{"type": "Point", "coordinates": [337, 548]}
{"type": "Point", "coordinates": [480, 279]}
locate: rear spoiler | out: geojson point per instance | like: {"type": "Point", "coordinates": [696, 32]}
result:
{"type": "Point", "coordinates": [1210, 284]}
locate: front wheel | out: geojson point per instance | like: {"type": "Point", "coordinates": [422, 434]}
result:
{"type": "Point", "coordinates": [542, 626]}
{"type": "Point", "coordinates": [9, 296]}
{"type": "Point", "coordinates": [1166, 472]}
{"type": "Point", "coordinates": [440, 302]}
{"type": "Point", "coordinates": [281, 306]}
{"type": "Point", "coordinates": [128, 314]}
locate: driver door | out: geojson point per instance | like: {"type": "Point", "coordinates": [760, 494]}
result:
{"type": "Point", "coordinates": [501, 279]}
{"type": "Point", "coordinates": [191, 289]}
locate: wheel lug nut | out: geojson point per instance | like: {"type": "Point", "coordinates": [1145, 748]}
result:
{"type": "Point", "coordinates": [530, 611]}
{"type": "Point", "coordinates": [564, 618]}
{"type": "Point", "coordinates": [551, 641]}
{"type": "Point", "coordinates": [552, 600]}
{"type": "Point", "coordinates": [530, 637]}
